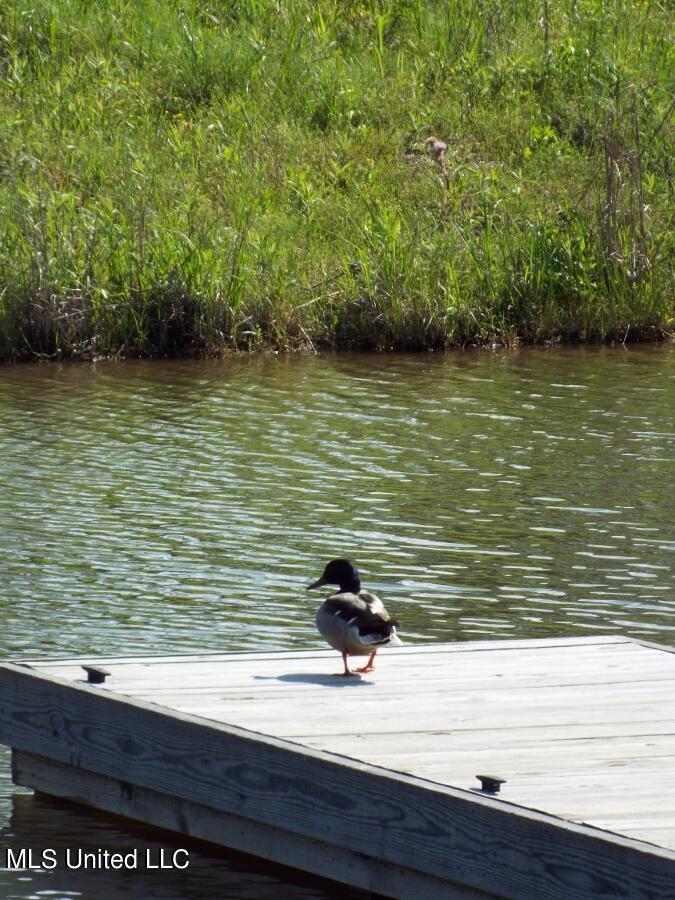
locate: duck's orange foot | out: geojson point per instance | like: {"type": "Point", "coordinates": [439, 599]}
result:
{"type": "Point", "coordinates": [346, 674]}
{"type": "Point", "coordinates": [370, 665]}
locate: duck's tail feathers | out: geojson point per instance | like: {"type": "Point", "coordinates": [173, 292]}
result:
{"type": "Point", "coordinates": [385, 634]}
{"type": "Point", "coordinates": [394, 639]}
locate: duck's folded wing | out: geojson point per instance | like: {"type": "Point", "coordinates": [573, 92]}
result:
{"type": "Point", "coordinates": [377, 632]}
{"type": "Point", "coordinates": [374, 604]}
{"type": "Point", "coordinates": [355, 612]}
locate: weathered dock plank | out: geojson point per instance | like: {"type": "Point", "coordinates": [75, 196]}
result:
{"type": "Point", "coordinates": [377, 772]}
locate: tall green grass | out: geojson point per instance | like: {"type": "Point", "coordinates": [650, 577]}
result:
{"type": "Point", "coordinates": [246, 174]}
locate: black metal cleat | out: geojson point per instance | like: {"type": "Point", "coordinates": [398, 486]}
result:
{"type": "Point", "coordinates": [95, 674]}
{"type": "Point", "coordinates": [490, 783]}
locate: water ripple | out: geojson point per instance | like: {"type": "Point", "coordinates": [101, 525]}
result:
{"type": "Point", "coordinates": [183, 506]}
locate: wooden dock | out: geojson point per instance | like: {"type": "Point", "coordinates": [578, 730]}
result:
{"type": "Point", "coordinates": [372, 781]}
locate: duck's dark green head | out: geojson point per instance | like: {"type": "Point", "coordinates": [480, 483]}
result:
{"type": "Point", "coordinates": [341, 572]}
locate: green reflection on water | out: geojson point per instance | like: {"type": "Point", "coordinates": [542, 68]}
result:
{"type": "Point", "coordinates": [172, 506]}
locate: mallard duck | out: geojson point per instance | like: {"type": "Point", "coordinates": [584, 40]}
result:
{"type": "Point", "coordinates": [353, 621]}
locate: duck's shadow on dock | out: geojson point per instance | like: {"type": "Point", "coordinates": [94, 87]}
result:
{"type": "Point", "coordinates": [317, 678]}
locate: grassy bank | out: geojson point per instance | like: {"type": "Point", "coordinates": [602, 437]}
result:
{"type": "Point", "coordinates": [257, 174]}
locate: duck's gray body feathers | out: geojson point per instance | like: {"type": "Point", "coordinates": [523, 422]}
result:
{"type": "Point", "coordinates": [355, 623]}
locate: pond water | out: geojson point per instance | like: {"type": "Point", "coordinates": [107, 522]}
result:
{"type": "Point", "coordinates": [182, 506]}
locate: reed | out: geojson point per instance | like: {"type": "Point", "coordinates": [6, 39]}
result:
{"type": "Point", "coordinates": [244, 174]}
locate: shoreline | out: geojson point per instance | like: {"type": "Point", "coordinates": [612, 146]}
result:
{"type": "Point", "coordinates": [662, 339]}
